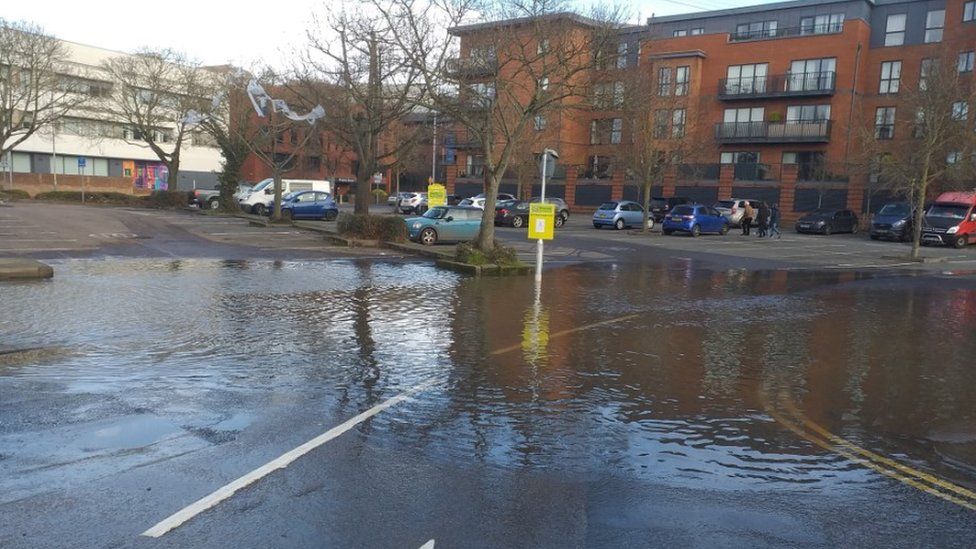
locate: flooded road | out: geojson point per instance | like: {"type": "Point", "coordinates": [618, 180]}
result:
{"type": "Point", "coordinates": [839, 392]}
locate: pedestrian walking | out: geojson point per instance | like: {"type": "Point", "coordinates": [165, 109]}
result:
{"type": "Point", "coordinates": [747, 215]}
{"type": "Point", "coordinates": [762, 219]}
{"type": "Point", "coordinates": [774, 221]}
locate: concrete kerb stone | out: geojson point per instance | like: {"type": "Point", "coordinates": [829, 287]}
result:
{"type": "Point", "coordinates": [915, 259]}
{"type": "Point", "coordinates": [24, 269]}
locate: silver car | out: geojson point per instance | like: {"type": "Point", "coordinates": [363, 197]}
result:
{"type": "Point", "coordinates": [619, 215]}
{"type": "Point", "coordinates": [413, 203]}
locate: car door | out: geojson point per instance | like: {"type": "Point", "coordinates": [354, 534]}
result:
{"type": "Point", "coordinates": [715, 220]}
{"type": "Point", "coordinates": [299, 207]}
{"type": "Point", "coordinates": [448, 230]}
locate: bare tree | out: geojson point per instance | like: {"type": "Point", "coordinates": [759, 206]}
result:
{"type": "Point", "coordinates": [152, 94]}
{"type": "Point", "coordinates": [37, 85]}
{"type": "Point", "coordinates": [517, 62]}
{"type": "Point", "coordinates": [926, 137]}
{"type": "Point", "coordinates": [354, 51]}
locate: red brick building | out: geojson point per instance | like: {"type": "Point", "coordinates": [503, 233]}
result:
{"type": "Point", "coordinates": [777, 95]}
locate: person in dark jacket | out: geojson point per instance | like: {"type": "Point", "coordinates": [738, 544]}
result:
{"type": "Point", "coordinates": [762, 220]}
{"type": "Point", "coordinates": [774, 215]}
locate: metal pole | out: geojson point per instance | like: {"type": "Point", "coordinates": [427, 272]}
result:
{"type": "Point", "coordinates": [542, 200]}
{"type": "Point", "coordinates": [10, 170]}
{"type": "Point", "coordinates": [54, 154]}
{"type": "Point", "coordinates": [433, 153]}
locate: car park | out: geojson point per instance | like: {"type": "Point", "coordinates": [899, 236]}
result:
{"type": "Point", "coordinates": [261, 198]}
{"type": "Point", "coordinates": [309, 205]}
{"type": "Point", "coordinates": [733, 209]}
{"type": "Point", "coordinates": [619, 215]}
{"type": "Point", "coordinates": [695, 219]}
{"type": "Point", "coordinates": [445, 224]}
{"type": "Point", "coordinates": [513, 213]}
{"type": "Point", "coordinates": [210, 198]}
{"type": "Point", "coordinates": [893, 221]}
{"type": "Point", "coordinates": [661, 206]}
{"type": "Point", "coordinates": [415, 203]}
{"type": "Point", "coordinates": [951, 220]}
{"type": "Point", "coordinates": [562, 209]}
{"type": "Point", "coordinates": [826, 221]}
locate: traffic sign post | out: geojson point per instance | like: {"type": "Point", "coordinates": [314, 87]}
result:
{"type": "Point", "coordinates": [542, 221]}
{"type": "Point", "coordinates": [436, 195]}
{"type": "Point", "coordinates": [546, 154]}
{"type": "Point", "coordinates": [81, 170]}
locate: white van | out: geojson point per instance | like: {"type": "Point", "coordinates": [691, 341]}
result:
{"type": "Point", "coordinates": [261, 197]}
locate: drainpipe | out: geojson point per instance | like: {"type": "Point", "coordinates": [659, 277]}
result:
{"type": "Point", "coordinates": [850, 115]}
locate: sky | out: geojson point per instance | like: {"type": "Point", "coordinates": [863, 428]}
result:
{"type": "Point", "coordinates": [213, 34]}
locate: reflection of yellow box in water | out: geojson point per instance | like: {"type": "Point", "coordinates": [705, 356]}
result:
{"type": "Point", "coordinates": [542, 220]}
{"type": "Point", "coordinates": [436, 195]}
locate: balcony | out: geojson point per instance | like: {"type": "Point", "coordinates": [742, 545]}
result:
{"type": "Point", "coordinates": [773, 132]}
{"type": "Point", "coordinates": [786, 32]}
{"type": "Point", "coordinates": [471, 67]}
{"type": "Point", "coordinates": [807, 84]}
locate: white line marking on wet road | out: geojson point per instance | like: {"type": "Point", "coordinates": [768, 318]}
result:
{"type": "Point", "coordinates": [428, 545]}
{"type": "Point", "coordinates": [177, 519]}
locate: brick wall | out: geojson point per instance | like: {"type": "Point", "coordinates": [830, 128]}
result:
{"type": "Point", "coordinates": [35, 183]}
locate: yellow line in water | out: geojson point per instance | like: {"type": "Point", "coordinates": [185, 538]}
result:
{"type": "Point", "coordinates": [511, 348]}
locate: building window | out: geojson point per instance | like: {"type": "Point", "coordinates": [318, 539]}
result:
{"type": "Point", "coordinates": [966, 61]}
{"type": "Point", "coordinates": [475, 165]}
{"type": "Point", "coordinates": [822, 24]}
{"type": "Point", "coordinates": [742, 157]}
{"type": "Point", "coordinates": [757, 29]}
{"type": "Point", "coordinates": [661, 123]}
{"type": "Point", "coordinates": [681, 77]}
{"type": "Point", "coordinates": [812, 74]}
{"type": "Point", "coordinates": [606, 131]}
{"type": "Point", "coordinates": [601, 167]}
{"type": "Point", "coordinates": [960, 110]}
{"type": "Point", "coordinates": [696, 31]}
{"type": "Point", "coordinates": [890, 77]}
{"type": "Point", "coordinates": [744, 122]}
{"type": "Point", "coordinates": [746, 79]}
{"type": "Point", "coordinates": [895, 30]}
{"type": "Point", "coordinates": [622, 49]}
{"type": "Point", "coordinates": [679, 33]}
{"type": "Point", "coordinates": [543, 46]}
{"type": "Point", "coordinates": [953, 158]}
{"type": "Point", "coordinates": [678, 123]}
{"type": "Point", "coordinates": [544, 84]}
{"type": "Point", "coordinates": [807, 113]}
{"type": "Point", "coordinates": [934, 23]}
{"type": "Point", "coordinates": [968, 11]}
{"type": "Point", "coordinates": [884, 123]}
{"type": "Point", "coordinates": [664, 75]}
{"type": "Point", "coordinates": [923, 73]}
{"type": "Point", "coordinates": [609, 95]}
{"type": "Point", "coordinates": [540, 122]}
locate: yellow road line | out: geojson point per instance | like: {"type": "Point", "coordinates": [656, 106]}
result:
{"type": "Point", "coordinates": [517, 346]}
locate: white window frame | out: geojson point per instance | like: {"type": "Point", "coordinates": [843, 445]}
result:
{"type": "Point", "coordinates": [682, 78]}
{"type": "Point", "coordinates": [969, 11]}
{"type": "Point", "coordinates": [890, 80]}
{"type": "Point", "coordinates": [960, 111]}
{"type": "Point", "coordinates": [679, 33]}
{"type": "Point", "coordinates": [895, 29]}
{"type": "Point", "coordinates": [934, 26]}
{"type": "Point", "coordinates": [884, 117]}
{"type": "Point", "coordinates": [965, 63]}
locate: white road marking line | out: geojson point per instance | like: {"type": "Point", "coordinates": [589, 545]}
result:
{"type": "Point", "coordinates": [177, 519]}
{"type": "Point", "coordinates": [43, 240]}
{"type": "Point", "coordinates": [428, 545]}
{"type": "Point", "coordinates": [42, 249]}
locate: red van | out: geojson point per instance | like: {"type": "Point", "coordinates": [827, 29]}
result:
{"type": "Point", "coordinates": [951, 220]}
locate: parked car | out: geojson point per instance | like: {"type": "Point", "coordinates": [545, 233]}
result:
{"type": "Point", "coordinates": [562, 209]}
{"type": "Point", "coordinates": [261, 198]}
{"type": "Point", "coordinates": [445, 224]}
{"type": "Point", "coordinates": [618, 215]}
{"type": "Point", "coordinates": [951, 220]}
{"type": "Point", "coordinates": [695, 219]}
{"type": "Point", "coordinates": [893, 221]}
{"type": "Point", "coordinates": [478, 201]}
{"type": "Point", "coordinates": [826, 221]}
{"type": "Point", "coordinates": [309, 205]}
{"type": "Point", "coordinates": [415, 203]}
{"type": "Point", "coordinates": [394, 199]}
{"type": "Point", "coordinates": [661, 206]}
{"type": "Point", "coordinates": [733, 209]}
{"type": "Point", "coordinates": [514, 213]}
{"type": "Point", "coordinates": [210, 198]}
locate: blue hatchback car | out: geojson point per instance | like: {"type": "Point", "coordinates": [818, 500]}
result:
{"type": "Point", "coordinates": [309, 205]}
{"type": "Point", "coordinates": [445, 224]}
{"type": "Point", "coordinates": [695, 219]}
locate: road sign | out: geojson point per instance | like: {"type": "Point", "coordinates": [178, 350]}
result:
{"type": "Point", "coordinates": [377, 178]}
{"type": "Point", "coordinates": [81, 162]}
{"type": "Point", "coordinates": [436, 195]}
{"type": "Point", "coordinates": [550, 167]}
{"type": "Point", "coordinates": [542, 221]}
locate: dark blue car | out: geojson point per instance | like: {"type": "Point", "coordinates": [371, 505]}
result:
{"type": "Point", "coordinates": [309, 205]}
{"type": "Point", "coordinates": [695, 219]}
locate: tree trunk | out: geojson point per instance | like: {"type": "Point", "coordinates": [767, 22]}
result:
{"type": "Point", "coordinates": [276, 213]}
{"type": "Point", "coordinates": [230, 178]}
{"type": "Point", "coordinates": [920, 208]}
{"type": "Point", "coordinates": [646, 197]}
{"type": "Point", "coordinates": [363, 182]}
{"type": "Point", "coordinates": [486, 236]}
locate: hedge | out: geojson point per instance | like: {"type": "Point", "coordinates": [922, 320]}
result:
{"type": "Point", "coordinates": [14, 194]}
{"type": "Point", "coordinates": [372, 227]}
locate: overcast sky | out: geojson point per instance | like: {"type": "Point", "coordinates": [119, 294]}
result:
{"type": "Point", "coordinates": [215, 33]}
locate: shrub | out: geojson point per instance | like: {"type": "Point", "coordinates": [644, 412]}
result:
{"type": "Point", "coordinates": [379, 195]}
{"type": "Point", "coordinates": [14, 194]}
{"type": "Point", "coordinates": [499, 255]}
{"type": "Point", "coordinates": [90, 197]}
{"type": "Point", "coordinates": [372, 227]}
{"type": "Point", "coordinates": [167, 199]}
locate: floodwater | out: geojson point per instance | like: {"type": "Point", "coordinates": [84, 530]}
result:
{"type": "Point", "coordinates": [686, 381]}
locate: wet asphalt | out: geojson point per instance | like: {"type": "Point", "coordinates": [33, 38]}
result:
{"type": "Point", "coordinates": [653, 400]}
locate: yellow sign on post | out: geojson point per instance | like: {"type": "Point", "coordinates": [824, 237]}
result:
{"type": "Point", "coordinates": [436, 195]}
{"type": "Point", "coordinates": [542, 221]}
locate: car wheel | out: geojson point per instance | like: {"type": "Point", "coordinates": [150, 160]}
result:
{"type": "Point", "coordinates": [258, 209]}
{"type": "Point", "coordinates": [595, 226]}
{"type": "Point", "coordinates": [619, 224]}
{"type": "Point", "coordinates": [650, 223]}
{"type": "Point", "coordinates": [214, 203]}
{"type": "Point", "coordinates": [560, 220]}
{"type": "Point", "coordinates": [724, 230]}
{"type": "Point", "coordinates": [287, 215]}
{"type": "Point", "coordinates": [854, 229]}
{"type": "Point", "coordinates": [960, 241]}
{"type": "Point", "coordinates": [826, 230]}
{"type": "Point", "coordinates": [695, 231]}
{"type": "Point", "coordinates": [517, 222]}
{"type": "Point", "coordinates": [331, 215]}
{"type": "Point", "coordinates": [667, 232]}
{"type": "Point", "coordinates": [428, 236]}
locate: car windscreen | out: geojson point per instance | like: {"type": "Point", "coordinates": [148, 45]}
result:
{"type": "Point", "coordinates": [262, 185]}
{"type": "Point", "coordinates": [949, 211]}
{"type": "Point", "coordinates": [901, 210]}
{"type": "Point", "coordinates": [435, 213]}
{"type": "Point", "coordinates": [683, 210]}
{"type": "Point", "coordinates": [823, 212]}
{"type": "Point", "coordinates": [608, 206]}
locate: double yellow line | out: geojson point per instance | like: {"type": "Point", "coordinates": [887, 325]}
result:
{"type": "Point", "coordinates": [797, 422]}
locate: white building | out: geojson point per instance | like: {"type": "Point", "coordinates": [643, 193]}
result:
{"type": "Point", "coordinates": [101, 144]}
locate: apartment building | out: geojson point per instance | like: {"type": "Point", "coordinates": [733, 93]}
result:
{"type": "Point", "coordinates": [776, 97]}
{"type": "Point", "coordinates": [87, 143]}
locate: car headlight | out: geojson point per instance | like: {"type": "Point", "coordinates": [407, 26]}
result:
{"type": "Point", "coordinates": [821, 222]}
{"type": "Point", "coordinates": [953, 230]}
{"type": "Point", "coordinates": [417, 225]}
{"type": "Point", "coordinates": [899, 223]}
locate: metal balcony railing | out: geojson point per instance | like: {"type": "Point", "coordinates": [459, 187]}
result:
{"type": "Point", "coordinates": [472, 66]}
{"type": "Point", "coordinates": [786, 32]}
{"type": "Point", "coordinates": [803, 84]}
{"type": "Point", "coordinates": [773, 132]}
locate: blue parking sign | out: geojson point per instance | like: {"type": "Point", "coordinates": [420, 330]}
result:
{"type": "Point", "coordinates": [81, 161]}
